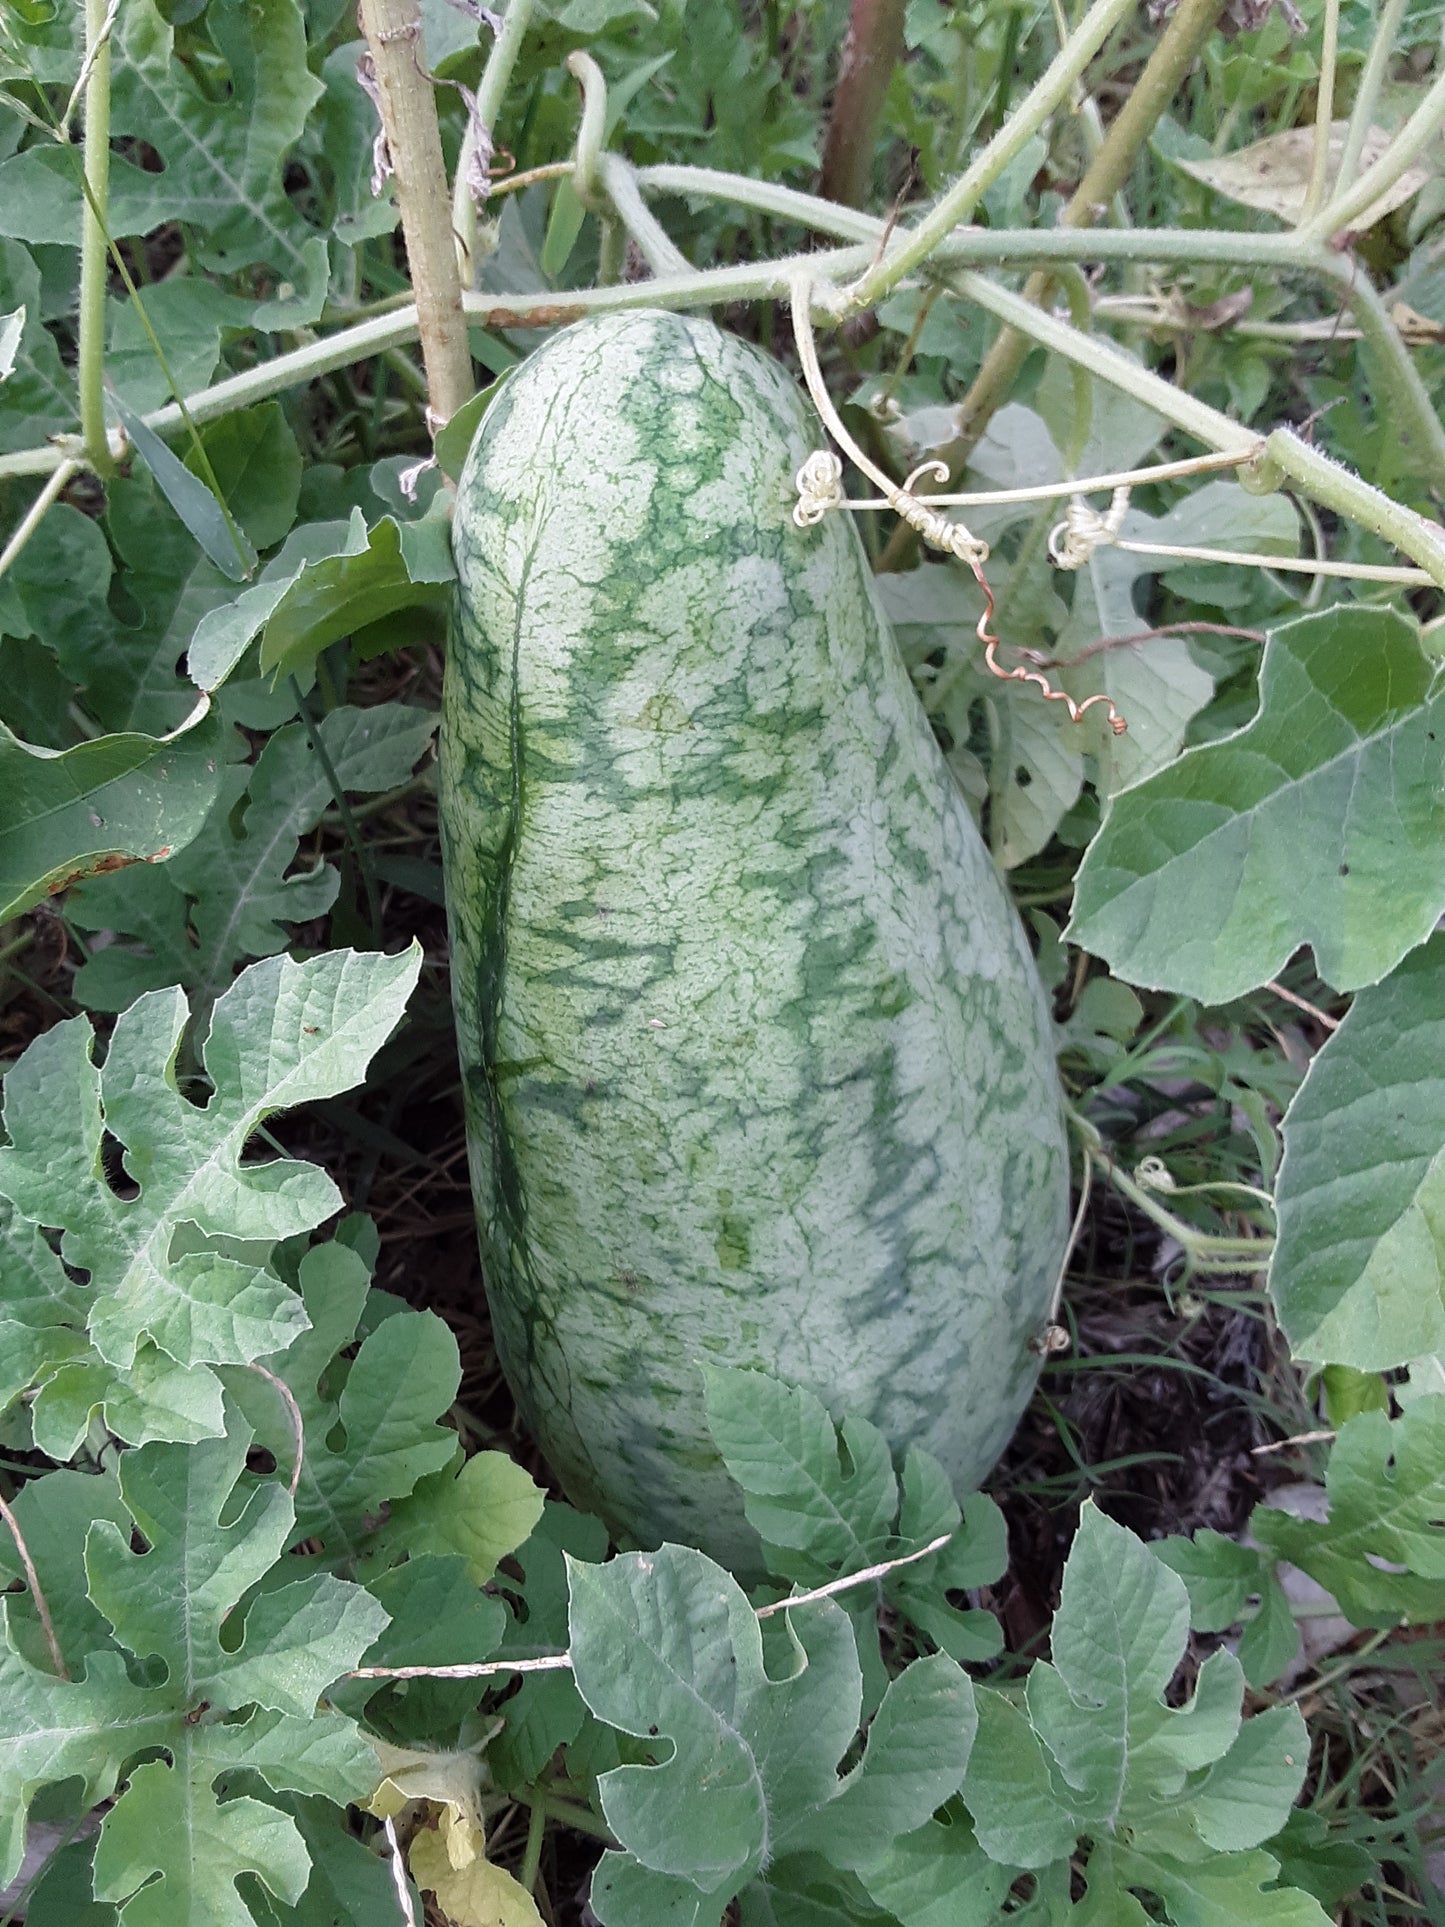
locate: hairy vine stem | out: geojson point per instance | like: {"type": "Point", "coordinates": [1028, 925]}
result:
{"type": "Point", "coordinates": [94, 241]}
{"type": "Point", "coordinates": [37, 1594]}
{"type": "Point", "coordinates": [562, 1662]}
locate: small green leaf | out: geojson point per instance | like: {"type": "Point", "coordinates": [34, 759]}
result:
{"type": "Point", "coordinates": [1096, 1750]}
{"type": "Point", "coordinates": [257, 467]}
{"type": "Point", "coordinates": [369, 579]}
{"type": "Point", "coordinates": [192, 499]}
{"type": "Point", "coordinates": [665, 1646]}
{"type": "Point", "coordinates": [1321, 822]}
{"type": "Point", "coordinates": [116, 800]}
{"type": "Point", "coordinates": [1358, 1275]}
{"type": "Point", "coordinates": [370, 1426]}
{"type": "Point", "coordinates": [484, 1511]}
{"type": "Point", "coordinates": [456, 438]}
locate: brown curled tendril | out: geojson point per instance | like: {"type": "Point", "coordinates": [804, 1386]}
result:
{"type": "Point", "coordinates": [991, 642]}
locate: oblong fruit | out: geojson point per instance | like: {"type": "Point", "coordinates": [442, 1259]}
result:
{"type": "Point", "coordinates": [757, 1065]}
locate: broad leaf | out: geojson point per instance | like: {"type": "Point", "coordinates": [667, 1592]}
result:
{"type": "Point", "coordinates": [1321, 822]}
{"type": "Point", "coordinates": [166, 1604]}
{"type": "Point", "coordinates": [284, 1034]}
{"type": "Point", "coordinates": [239, 873]}
{"type": "Point", "coordinates": [1096, 1751]}
{"type": "Point", "coordinates": [665, 1647]}
{"type": "Point", "coordinates": [389, 567]}
{"type": "Point", "coordinates": [939, 1876]}
{"type": "Point", "coordinates": [223, 172]}
{"type": "Point", "coordinates": [105, 804]}
{"type": "Point", "coordinates": [825, 1502]}
{"type": "Point", "coordinates": [1381, 1552]}
{"type": "Point", "coordinates": [37, 398]}
{"type": "Point", "coordinates": [1358, 1274]}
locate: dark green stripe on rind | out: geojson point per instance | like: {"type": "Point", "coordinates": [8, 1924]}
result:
{"type": "Point", "coordinates": [756, 1060]}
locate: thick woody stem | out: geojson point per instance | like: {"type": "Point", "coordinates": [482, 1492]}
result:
{"type": "Point", "coordinates": [409, 120]}
{"type": "Point", "coordinates": [1178, 48]}
{"type": "Point", "coordinates": [870, 53]}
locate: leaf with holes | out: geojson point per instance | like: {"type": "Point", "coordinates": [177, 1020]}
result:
{"type": "Point", "coordinates": [169, 1241]}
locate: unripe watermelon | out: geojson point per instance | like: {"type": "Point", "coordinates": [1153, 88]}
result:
{"type": "Point", "coordinates": [756, 1061]}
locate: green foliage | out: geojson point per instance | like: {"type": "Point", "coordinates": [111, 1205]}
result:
{"type": "Point", "coordinates": [1175, 1799]}
{"type": "Point", "coordinates": [215, 1707]}
{"type": "Point", "coordinates": [154, 1251]}
{"type": "Point", "coordinates": [1359, 1273]}
{"type": "Point", "coordinates": [1382, 1551]}
{"type": "Point", "coordinates": [664, 1645]}
{"type": "Point", "coordinates": [177, 1274]}
{"type": "Point", "coordinates": [1316, 824]}
{"type": "Point", "coordinates": [819, 1518]}
{"type": "Point", "coordinates": [230, 894]}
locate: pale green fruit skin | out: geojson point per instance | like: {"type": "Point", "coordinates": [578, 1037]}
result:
{"type": "Point", "coordinates": [757, 1064]}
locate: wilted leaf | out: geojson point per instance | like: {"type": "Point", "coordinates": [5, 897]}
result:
{"type": "Point", "coordinates": [1273, 174]}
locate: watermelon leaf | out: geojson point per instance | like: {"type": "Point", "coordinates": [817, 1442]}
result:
{"type": "Point", "coordinates": [1320, 822]}
{"type": "Point", "coordinates": [162, 1292]}
{"type": "Point", "coordinates": [1358, 1275]}
{"type": "Point", "coordinates": [745, 1756]}
{"type": "Point", "coordinates": [825, 1502]}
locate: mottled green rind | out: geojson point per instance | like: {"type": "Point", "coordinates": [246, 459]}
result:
{"type": "Point", "coordinates": [756, 1061]}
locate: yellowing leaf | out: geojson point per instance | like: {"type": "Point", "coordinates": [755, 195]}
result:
{"type": "Point", "coordinates": [1273, 174]}
{"type": "Point", "coordinates": [477, 1895]}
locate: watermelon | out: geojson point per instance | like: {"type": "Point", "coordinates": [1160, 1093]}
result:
{"type": "Point", "coordinates": [756, 1062]}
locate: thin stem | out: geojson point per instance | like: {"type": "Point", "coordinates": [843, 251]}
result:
{"type": "Point", "coordinates": [94, 241]}
{"type": "Point", "coordinates": [532, 1853]}
{"type": "Point", "coordinates": [293, 1414]}
{"type": "Point", "coordinates": [409, 119]}
{"type": "Point", "coordinates": [1411, 406]}
{"type": "Point", "coordinates": [398, 1873]}
{"type": "Point", "coordinates": [1324, 114]}
{"type": "Point", "coordinates": [1291, 564]}
{"type": "Point", "coordinates": [36, 513]}
{"type": "Point", "coordinates": [488, 104]}
{"type": "Point", "coordinates": [849, 1580]}
{"type": "Point", "coordinates": [1367, 94]}
{"type": "Point", "coordinates": [1164, 72]}
{"type": "Point", "coordinates": [916, 244]}
{"type": "Point", "coordinates": [1409, 143]}
{"type": "Point", "coordinates": [1334, 486]}
{"type": "Point", "coordinates": [769, 197]}
{"type": "Point", "coordinates": [47, 1624]}
{"type": "Point", "coordinates": [1101, 358]}
{"type": "Point", "coordinates": [870, 52]}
